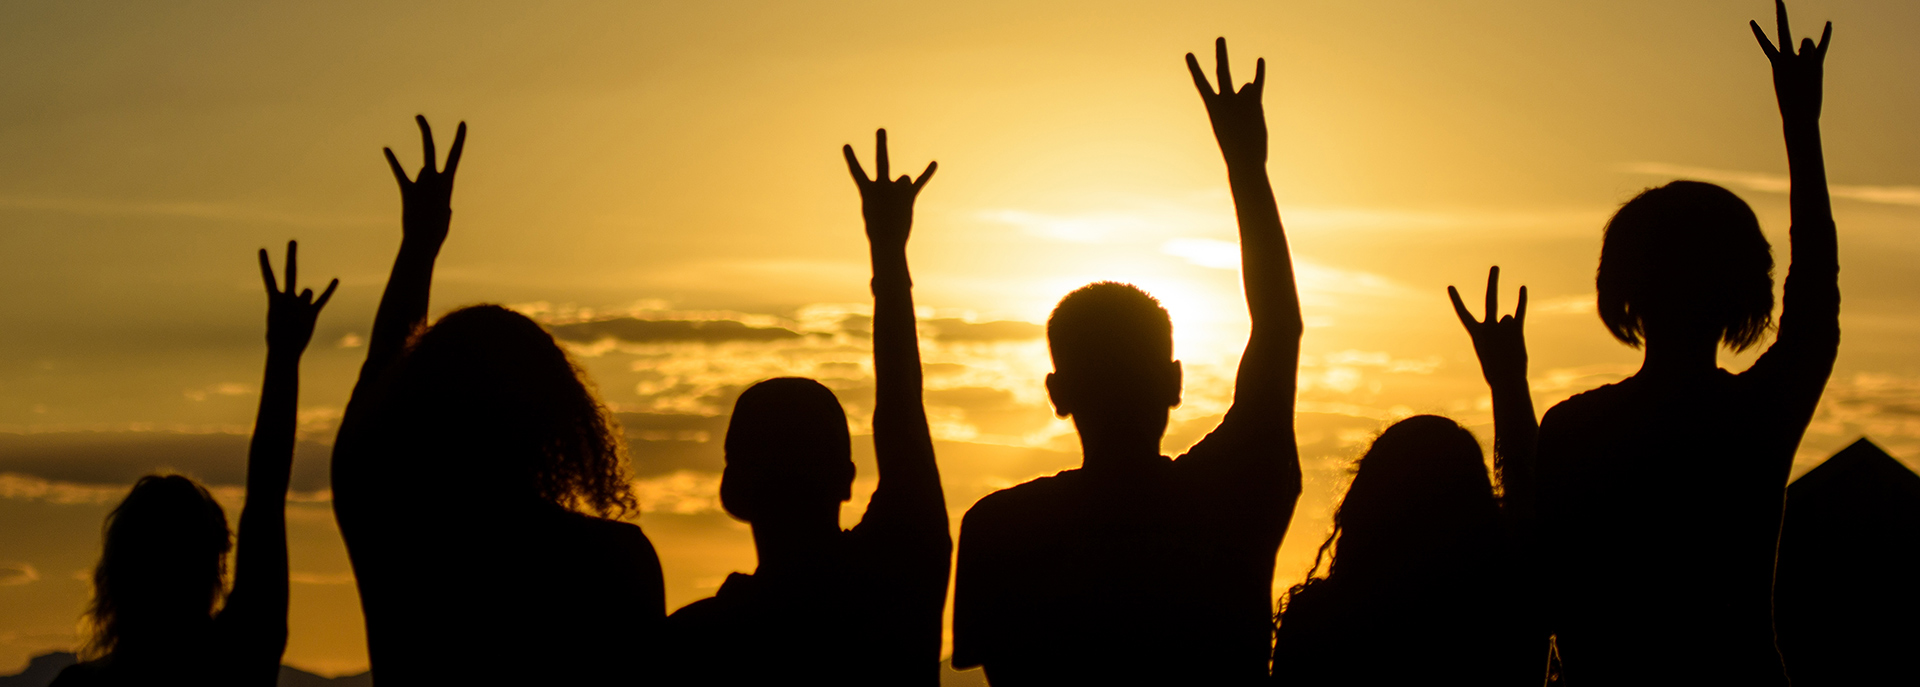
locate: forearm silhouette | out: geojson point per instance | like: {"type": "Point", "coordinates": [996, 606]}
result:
{"type": "Point", "coordinates": [1500, 344]}
{"type": "Point", "coordinates": [1809, 325]}
{"type": "Point", "coordinates": [256, 610]}
{"type": "Point", "coordinates": [426, 211]}
{"type": "Point", "coordinates": [1264, 388]}
{"type": "Point", "coordinates": [903, 445]}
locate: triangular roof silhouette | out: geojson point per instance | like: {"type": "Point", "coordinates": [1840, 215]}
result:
{"type": "Point", "coordinates": [1844, 597]}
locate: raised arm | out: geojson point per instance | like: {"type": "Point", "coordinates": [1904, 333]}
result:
{"type": "Point", "coordinates": [903, 447]}
{"type": "Point", "coordinates": [1809, 333]}
{"type": "Point", "coordinates": [1263, 392]}
{"type": "Point", "coordinates": [425, 210]}
{"type": "Point", "coordinates": [255, 615]}
{"type": "Point", "coordinates": [1500, 344]}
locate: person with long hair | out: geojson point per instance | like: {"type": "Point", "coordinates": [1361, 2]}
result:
{"type": "Point", "coordinates": [1661, 495]}
{"type": "Point", "coordinates": [1428, 579]}
{"type": "Point", "coordinates": [161, 610]}
{"type": "Point", "coordinates": [478, 484]}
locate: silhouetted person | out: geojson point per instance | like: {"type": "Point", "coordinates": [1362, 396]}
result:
{"type": "Point", "coordinates": [1662, 493]}
{"type": "Point", "coordinates": [860, 606]}
{"type": "Point", "coordinates": [1426, 583]}
{"type": "Point", "coordinates": [164, 560]}
{"type": "Point", "coordinates": [475, 479]}
{"type": "Point", "coordinates": [1134, 568]}
{"type": "Point", "coordinates": [1845, 600]}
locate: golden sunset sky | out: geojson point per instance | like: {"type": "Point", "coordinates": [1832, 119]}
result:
{"type": "Point", "coordinates": [679, 161]}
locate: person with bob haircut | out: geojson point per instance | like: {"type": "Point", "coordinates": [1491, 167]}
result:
{"type": "Point", "coordinates": [158, 616]}
{"type": "Point", "coordinates": [478, 484]}
{"type": "Point", "coordinates": [1662, 494]}
{"type": "Point", "coordinates": [861, 605]}
{"type": "Point", "coordinates": [1136, 568]}
{"type": "Point", "coordinates": [1428, 566]}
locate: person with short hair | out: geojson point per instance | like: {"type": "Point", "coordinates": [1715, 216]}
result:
{"type": "Point", "coordinates": [1662, 494]}
{"type": "Point", "coordinates": [860, 606]}
{"type": "Point", "coordinates": [1136, 568]}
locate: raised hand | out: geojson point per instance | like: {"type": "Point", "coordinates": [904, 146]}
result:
{"type": "Point", "coordinates": [426, 200]}
{"type": "Point", "coordinates": [1500, 342]}
{"type": "Point", "coordinates": [1239, 122]}
{"type": "Point", "coordinates": [1796, 76]}
{"type": "Point", "coordinates": [886, 204]}
{"type": "Point", "coordinates": [290, 316]}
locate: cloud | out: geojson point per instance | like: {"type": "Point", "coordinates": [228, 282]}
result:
{"type": "Point", "coordinates": [954, 330]}
{"type": "Point", "coordinates": [634, 330]}
{"type": "Point", "coordinates": [1777, 183]}
{"type": "Point", "coordinates": [15, 574]}
{"type": "Point", "coordinates": [685, 492]}
{"type": "Point", "coordinates": [117, 459]}
{"type": "Point", "coordinates": [336, 578]}
{"type": "Point", "coordinates": [665, 443]}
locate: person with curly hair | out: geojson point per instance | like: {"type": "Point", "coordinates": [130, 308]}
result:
{"type": "Point", "coordinates": [478, 483]}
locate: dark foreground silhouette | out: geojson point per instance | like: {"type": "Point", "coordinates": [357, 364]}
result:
{"type": "Point", "coordinates": [1662, 493]}
{"type": "Point", "coordinates": [1426, 561]}
{"type": "Point", "coordinates": [41, 670]}
{"type": "Point", "coordinates": [475, 478]}
{"type": "Point", "coordinates": [1134, 568]}
{"type": "Point", "coordinates": [1845, 598]}
{"type": "Point", "coordinates": [863, 605]}
{"type": "Point", "coordinates": [163, 559]}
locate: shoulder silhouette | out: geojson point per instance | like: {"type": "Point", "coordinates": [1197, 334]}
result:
{"type": "Point", "coordinates": [1685, 464]}
{"type": "Point", "coordinates": [863, 605]}
{"type": "Point", "coordinates": [478, 484]}
{"type": "Point", "coordinates": [1136, 568]}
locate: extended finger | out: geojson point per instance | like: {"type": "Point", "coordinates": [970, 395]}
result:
{"type": "Point", "coordinates": [1765, 42]}
{"type": "Point", "coordinates": [291, 265]}
{"type": "Point", "coordinates": [924, 176]}
{"type": "Point", "coordinates": [1199, 77]}
{"type": "Point", "coordinates": [1520, 309]}
{"type": "Point", "coordinates": [399, 173]}
{"type": "Point", "coordinates": [426, 142]}
{"type": "Point", "coordinates": [853, 165]}
{"type": "Point", "coordinates": [1221, 67]}
{"type": "Point", "coordinates": [266, 274]}
{"type": "Point", "coordinates": [880, 162]}
{"type": "Point", "coordinates": [1460, 308]}
{"type": "Point", "coordinates": [1493, 294]}
{"type": "Point", "coordinates": [1780, 17]}
{"type": "Point", "coordinates": [1259, 75]}
{"type": "Point", "coordinates": [459, 143]}
{"type": "Point", "coordinates": [1824, 35]}
{"type": "Point", "coordinates": [328, 295]}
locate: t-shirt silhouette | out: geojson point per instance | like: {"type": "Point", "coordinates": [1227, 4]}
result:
{"type": "Point", "coordinates": [866, 613]}
{"type": "Point", "coordinates": [1160, 572]}
{"type": "Point", "coordinates": [1662, 501]}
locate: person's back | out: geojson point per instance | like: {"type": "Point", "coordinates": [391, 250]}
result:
{"type": "Point", "coordinates": [862, 605]}
{"type": "Point", "coordinates": [1136, 568]}
{"type": "Point", "coordinates": [157, 615]}
{"type": "Point", "coordinates": [1423, 586]}
{"type": "Point", "coordinates": [478, 483]}
{"type": "Point", "coordinates": [1661, 495]}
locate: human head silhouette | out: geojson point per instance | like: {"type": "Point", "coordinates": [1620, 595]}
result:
{"type": "Point", "coordinates": [1686, 261]}
{"type": "Point", "coordinates": [787, 452]}
{"type": "Point", "coordinates": [1113, 366]}
{"type": "Point", "coordinates": [162, 566]}
{"type": "Point", "coordinates": [1419, 495]}
{"type": "Point", "coordinates": [505, 415]}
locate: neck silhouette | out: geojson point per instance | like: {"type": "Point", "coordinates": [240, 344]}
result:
{"type": "Point", "coordinates": [1680, 348]}
{"type": "Point", "coordinates": [800, 537]}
